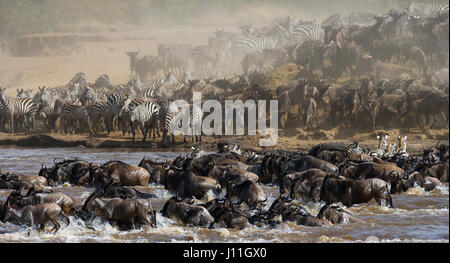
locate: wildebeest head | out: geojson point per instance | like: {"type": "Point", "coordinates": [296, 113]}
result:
{"type": "Point", "coordinates": [197, 152]}
{"type": "Point", "coordinates": [286, 185]}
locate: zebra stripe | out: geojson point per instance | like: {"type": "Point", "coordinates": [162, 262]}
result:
{"type": "Point", "coordinates": [114, 106]}
{"type": "Point", "coordinates": [333, 21]}
{"type": "Point", "coordinates": [97, 115]}
{"type": "Point", "coordinates": [167, 112]}
{"type": "Point", "coordinates": [270, 40]}
{"type": "Point", "coordinates": [382, 146]}
{"type": "Point", "coordinates": [426, 10]}
{"type": "Point", "coordinates": [146, 116]}
{"type": "Point", "coordinates": [305, 33]}
{"type": "Point", "coordinates": [20, 109]}
{"type": "Point", "coordinates": [354, 148]}
{"type": "Point", "coordinates": [75, 116]}
{"type": "Point", "coordinates": [195, 120]}
{"type": "Point", "coordinates": [391, 151]}
{"type": "Point", "coordinates": [208, 54]}
{"type": "Point", "coordinates": [402, 146]}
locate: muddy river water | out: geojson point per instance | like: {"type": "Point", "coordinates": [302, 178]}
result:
{"type": "Point", "coordinates": [419, 216]}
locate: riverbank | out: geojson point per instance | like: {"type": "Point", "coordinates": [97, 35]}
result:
{"type": "Point", "coordinates": [289, 139]}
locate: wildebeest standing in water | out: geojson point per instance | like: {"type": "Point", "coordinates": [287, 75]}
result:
{"type": "Point", "coordinates": [187, 214]}
{"type": "Point", "coordinates": [350, 192]}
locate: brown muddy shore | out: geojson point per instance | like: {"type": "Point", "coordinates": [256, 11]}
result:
{"type": "Point", "coordinates": [288, 139]}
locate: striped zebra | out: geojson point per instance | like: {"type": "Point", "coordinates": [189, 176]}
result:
{"type": "Point", "coordinates": [195, 119]}
{"type": "Point", "coordinates": [46, 107]}
{"type": "Point", "coordinates": [391, 150]}
{"type": "Point", "coordinates": [305, 33]}
{"type": "Point", "coordinates": [311, 114]}
{"type": "Point", "coordinates": [96, 118]}
{"type": "Point", "coordinates": [425, 10]}
{"type": "Point", "coordinates": [212, 56]}
{"type": "Point", "coordinates": [145, 116]}
{"type": "Point", "coordinates": [150, 92]}
{"type": "Point", "coordinates": [277, 37]}
{"type": "Point", "coordinates": [114, 106]}
{"type": "Point", "coordinates": [17, 111]}
{"type": "Point", "coordinates": [354, 148]}
{"type": "Point", "coordinates": [167, 112]}
{"type": "Point", "coordinates": [125, 116]}
{"type": "Point", "coordinates": [382, 146]}
{"type": "Point", "coordinates": [74, 118]}
{"type": "Point", "coordinates": [402, 146]}
{"type": "Point", "coordinates": [333, 21]}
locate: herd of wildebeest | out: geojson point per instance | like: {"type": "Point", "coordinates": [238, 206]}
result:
{"type": "Point", "coordinates": [225, 188]}
{"type": "Point", "coordinates": [343, 62]}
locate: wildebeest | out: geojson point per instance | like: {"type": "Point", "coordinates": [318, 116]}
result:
{"type": "Point", "coordinates": [35, 180]}
{"type": "Point", "coordinates": [428, 183]}
{"type": "Point", "coordinates": [187, 214]}
{"type": "Point", "coordinates": [387, 172]}
{"type": "Point", "coordinates": [11, 183]}
{"type": "Point", "coordinates": [73, 171]}
{"type": "Point", "coordinates": [111, 189]}
{"type": "Point", "coordinates": [225, 215]}
{"type": "Point", "coordinates": [187, 184]}
{"type": "Point", "coordinates": [121, 211]}
{"type": "Point", "coordinates": [155, 169]}
{"type": "Point", "coordinates": [303, 185]}
{"type": "Point", "coordinates": [125, 174]}
{"type": "Point", "coordinates": [337, 214]}
{"type": "Point", "coordinates": [296, 213]}
{"type": "Point", "coordinates": [145, 67]}
{"type": "Point", "coordinates": [439, 171]}
{"type": "Point", "coordinates": [307, 162]}
{"type": "Point", "coordinates": [350, 192]}
{"type": "Point", "coordinates": [34, 197]}
{"type": "Point", "coordinates": [31, 214]}
{"type": "Point", "coordinates": [245, 191]}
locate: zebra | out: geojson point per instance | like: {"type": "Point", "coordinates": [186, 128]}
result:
{"type": "Point", "coordinates": [145, 115]}
{"type": "Point", "coordinates": [277, 37]}
{"type": "Point", "coordinates": [195, 118]}
{"type": "Point", "coordinates": [287, 22]}
{"type": "Point", "coordinates": [168, 110]}
{"type": "Point", "coordinates": [21, 93]}
{"type": "Point", "coordinates": [391, 150]}
{"type": "Point", "coordinates": [305, 33]}
{"type": "Point", "coordinates": [17, 111]}
{"type": "Point", "coordinates": [150, 92]}
{"type": "Point", "coordinates": [114, 107]}
{"type": "Point", "coordinates": [311, 114]}
{"type": "Point", "coordinates": [382, 146]}
{"type": "Point", "coordinates": [46, 107]}
{"type": "Point", "coordinates": [333, 21]}
{"type": "Point", "coordinates": [426, 10]}
{"type": "Point", "coordinates": [210, 55]}
{"type": "Point", "coordinates": [74, 118]}
{"type": "Point", "coordinates": [97, 116]}
{"type": "Point", "coordinates": [88, 96]}
{"type": "Point", "coordinates": [125, 115]}
{"type": "Point", "coordinates": [354, 148]}
{"type": "Point", "coordinates": [402, 146]}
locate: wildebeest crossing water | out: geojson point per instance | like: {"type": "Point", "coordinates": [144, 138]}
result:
{"type": "Point", "coordinates": [418, 216]}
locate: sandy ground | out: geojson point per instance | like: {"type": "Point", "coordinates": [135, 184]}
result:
{"type": "Point", "coordinates": [92, 58]}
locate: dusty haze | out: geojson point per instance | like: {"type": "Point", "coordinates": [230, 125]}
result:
{"type": "Point", "coordinates": [97, 33]}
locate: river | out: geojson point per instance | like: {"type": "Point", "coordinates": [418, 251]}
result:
{"type": "Point", "coordinates": [419, 216]}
